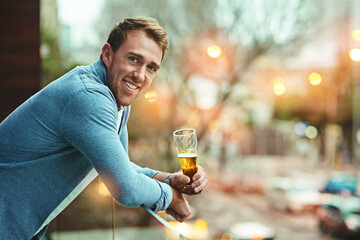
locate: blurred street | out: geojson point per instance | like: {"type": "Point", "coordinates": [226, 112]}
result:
{"type": "Point", "coordinates": [241, 193]}
{"type": "Point", "coordinates": [221, 210]}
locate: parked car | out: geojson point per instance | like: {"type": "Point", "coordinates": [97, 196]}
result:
{"type": "Point", "coordinates": [340, 181]}
{"type": "Point", "coordinates": [293, 195]}
{"type": "Point", "coordinates": [340, 217]}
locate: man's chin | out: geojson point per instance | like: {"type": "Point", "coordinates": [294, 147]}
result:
{"type": "Point", "coordinates": [125, 103]}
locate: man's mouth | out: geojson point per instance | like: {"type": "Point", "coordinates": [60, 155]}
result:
{"type": "Point", "coordinates": [130, 85]}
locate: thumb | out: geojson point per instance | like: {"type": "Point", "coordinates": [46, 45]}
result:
{"type": "Point", "coordinates": [184, 179]}
{"type": "Point", "coordinates": [179, 180]}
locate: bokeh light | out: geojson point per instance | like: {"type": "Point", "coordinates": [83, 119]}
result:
{"type": "Point", "coordinates": [354, 54]}
{"type": "Point", "coordinates": [151, 96]}
{"type": "Point", "coordinates": [214, 51]}
{"type": "Point", "coordinates": [300, 128]}
{"type": "Point", "coordinates": [279, 89]}
{"type": "Point", "coordinates": [315, 78]}
{"type": "Point", "coordinates": [201, 225]}
{"type": "Point", "coordinates": [206, 91]}
{"type": "Point", "coordinates": [279, 86]}
{"type": "Point", "coordinates": [355, 34]}
{"type": "Point", "coordinates": [102, 190]}
{"type": "Point", "coordinates": [173, 224]}
{"type": "Point", "coordinates": [311, 132]}
{"type": "Point", "coordinates": [184, 228]}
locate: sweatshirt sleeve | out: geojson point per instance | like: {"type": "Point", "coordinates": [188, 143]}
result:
{"type": "Point", "coordinates": [88, 123]}
{"type": "Point", "coordinates": [124, 139]}
{"type": "Point", "coordinates": [146, 171]}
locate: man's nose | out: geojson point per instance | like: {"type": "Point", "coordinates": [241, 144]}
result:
{"type": "Point", "coordinates": [139, 74]}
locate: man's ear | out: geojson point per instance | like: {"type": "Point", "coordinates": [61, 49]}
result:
{"type": "Point", "coordinates": [106, 54]}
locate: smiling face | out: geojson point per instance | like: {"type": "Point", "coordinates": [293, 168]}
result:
{"type": "Point", "coordinates": [131, 69]}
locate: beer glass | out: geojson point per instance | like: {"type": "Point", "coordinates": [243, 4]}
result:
{"type": "Point", "coordinates": [185, 142]}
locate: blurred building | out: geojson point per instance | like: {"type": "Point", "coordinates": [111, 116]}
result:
{"type": "Point", "coordinates": [49, 16]}
{"type": "Point", "coordinates": [19, 53]}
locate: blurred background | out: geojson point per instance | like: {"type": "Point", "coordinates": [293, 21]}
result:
{"type": "Point", "coordinates": [271, 87]}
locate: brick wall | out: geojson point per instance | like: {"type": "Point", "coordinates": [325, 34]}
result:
{"type": "Point", "coordinates": [19, 53]}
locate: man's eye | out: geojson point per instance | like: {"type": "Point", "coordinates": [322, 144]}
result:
{"type": "Point", "coordinates": [133, 59]}
{"type": "Point", "coordinates": [152, 68]}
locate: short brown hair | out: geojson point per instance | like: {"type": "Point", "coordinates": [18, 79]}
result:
{"type": "Point", "coordinates": [151, 26]}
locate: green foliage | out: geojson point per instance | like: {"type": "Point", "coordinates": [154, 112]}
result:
{"type": "Point", "coordinates": [52, 65]}
{"type": "Point", "coordinates": [54, 62]}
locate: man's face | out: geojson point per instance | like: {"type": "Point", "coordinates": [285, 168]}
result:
{"type": "Point", "coordinates": [131, 69]}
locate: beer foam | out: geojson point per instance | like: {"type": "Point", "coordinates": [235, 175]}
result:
{"type": "Point", "coordinates": [187, 155]}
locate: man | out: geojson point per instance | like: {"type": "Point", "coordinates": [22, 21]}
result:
{"type": "Point", "coordinates": [60, 139]}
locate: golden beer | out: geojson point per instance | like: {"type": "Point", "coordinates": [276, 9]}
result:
{"type": "Point", "coordinates": [188, 163]}
{"type": "Point", "coordinates": [185, 142]}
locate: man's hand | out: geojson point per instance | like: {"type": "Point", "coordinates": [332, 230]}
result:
{"type": "Point", "coordinates": [179, 207]}
{"type": "Point", "coordinates": [178, 180]}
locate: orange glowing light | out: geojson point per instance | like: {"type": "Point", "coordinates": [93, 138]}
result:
{"type": "Point", "coordinates": [173, 224]}
{"type": "Point", "coordinates": [315, 78]}
{"type": "Point", "coordinates": [279, 89]}
{"type": "Point", "coordinates": [201, 225]}
{"type": "Point", "coordinates": [214, 51]}
{"type": "Point", "coordinates": [102, 190]}
{"type": "Point", "coordinates": [260, 235]}
{"type": "Point", "coordinates": [354, 54]}
{"type": "Point", "coordinates": [151, 96]}
{"type": "Point", "coordinates": [257, 238]}
{"type": "Point", "coordinates": [355, 34]}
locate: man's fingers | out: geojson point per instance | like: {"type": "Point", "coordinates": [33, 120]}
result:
{"type": "Point", "coordinates": [175, 215]}
{"type": "Point", "coordinates": [199, 180]}
{"type": "Point", "coordinates": [201, 187]}
{"type": "Point", "coordinates": [172, 213]}
{"type": "Point", "coordinates": [199, 174]}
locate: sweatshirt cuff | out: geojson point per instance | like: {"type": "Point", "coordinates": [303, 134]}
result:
{"type": "Point", "coordinates": [165, 198]}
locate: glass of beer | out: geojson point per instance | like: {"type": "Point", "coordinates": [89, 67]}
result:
{"type": "Point", "coordinates": [185, 142]}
